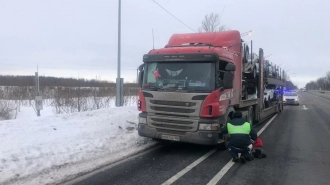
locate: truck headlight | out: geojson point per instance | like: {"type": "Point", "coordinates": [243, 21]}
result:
{"type": "Point", "coordinates": [142, 120]}
{"type": "Point", "coordinates": [203, 126]}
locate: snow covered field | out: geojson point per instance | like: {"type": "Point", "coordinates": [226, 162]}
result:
{"type": "Point", "coordinates": [52, 148]}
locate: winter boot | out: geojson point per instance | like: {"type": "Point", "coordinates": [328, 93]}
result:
{"type": "Point", "coordinates": [242, 159]}
{"type": "Point", "coordinates": [235, 159]}
{"type": "Point", "coordinates": [257, 153]}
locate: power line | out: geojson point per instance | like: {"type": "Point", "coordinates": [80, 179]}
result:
{"type": "Point", "coordinates": [222, 13]}
{"type": "Point", "coordinates": [69, 68]}
{"type": "Point", "coordinates": [173, 16]}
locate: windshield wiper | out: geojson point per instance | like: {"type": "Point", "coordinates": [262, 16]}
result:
{"type": "Point", "coordinates": [194, 90]}
{"type": "Point", "coordinates": [154, 88]}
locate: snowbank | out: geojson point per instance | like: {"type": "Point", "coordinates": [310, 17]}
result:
{"type": "Point", "coordinates": [53, 148]}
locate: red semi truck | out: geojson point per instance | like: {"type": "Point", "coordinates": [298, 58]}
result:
{"type": "Point", "coordinates": [191, 87]}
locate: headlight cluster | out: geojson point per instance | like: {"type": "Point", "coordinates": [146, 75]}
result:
{"type": "Point", "coordinates": [203, 126]}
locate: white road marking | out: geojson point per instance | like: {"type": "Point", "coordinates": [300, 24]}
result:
{"type": "Point", "coordinates": [305, 108]}
{"type": "Point", "coordinates": [221, 173]}
{"type": "Point", "coordinates": [226, 168]}
{"type": "Point", "coordinates": [268, 123]}
{"type": "Point", "coordinates": [188, 168]}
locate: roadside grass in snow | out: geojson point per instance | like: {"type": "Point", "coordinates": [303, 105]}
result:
{"type": "Point", "coordinates": [55, 148]}
{"type": "Point", "coordinates": [62, 99]}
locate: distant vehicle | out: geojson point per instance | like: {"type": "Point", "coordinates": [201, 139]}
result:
{"type": "Point", "coordinates": [290, 97]}
{"type": "Point", "coordinates": [304, 90]}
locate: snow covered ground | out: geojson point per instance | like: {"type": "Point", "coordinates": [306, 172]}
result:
{"type": "Point", "coordinates": [52, 148]}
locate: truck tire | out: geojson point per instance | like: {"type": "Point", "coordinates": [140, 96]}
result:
{"type": "Point", "coordinates": [266, 103]}
{"type": "Point", "coordinates": [224, 145]}
{"type": "Point", "coordinates": [250, 117]}
{"type": "Point", "coordinates": [280, 107]}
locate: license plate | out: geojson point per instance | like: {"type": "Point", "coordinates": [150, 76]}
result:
{"type": "Point", "coordinates": [169, 137]}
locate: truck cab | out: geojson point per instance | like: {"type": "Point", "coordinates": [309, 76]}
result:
{"type": "Point", "coordinates": [190, 88]}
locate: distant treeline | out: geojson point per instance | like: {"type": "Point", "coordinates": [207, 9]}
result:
{"type": "Point", "coordinates": [7, 80]}
{"type": "Point", "coordinates": [322, 83]}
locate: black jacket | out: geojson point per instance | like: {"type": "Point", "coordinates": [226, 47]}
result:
{"type": "Point", "coordinates": [240, 140]}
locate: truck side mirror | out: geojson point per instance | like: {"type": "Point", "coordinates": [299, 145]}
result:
{"type": "Point", "coordinates": [230, 67]}
{"type": "Point", "coordinates": [140, 78]}
{"type": "Point", "coordinates": [141, 67]}
{"type": "Point", "coordinates": [228, 79]}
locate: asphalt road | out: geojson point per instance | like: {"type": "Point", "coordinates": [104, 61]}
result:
{"type": "Point", "coordinates": [296, 143]}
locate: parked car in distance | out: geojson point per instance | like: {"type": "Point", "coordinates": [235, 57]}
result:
{"type": "Point", "coordinates": [290, 98]}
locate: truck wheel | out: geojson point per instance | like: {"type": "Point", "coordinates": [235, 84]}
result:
{"type": "Point", "coordinates": [224, 145]}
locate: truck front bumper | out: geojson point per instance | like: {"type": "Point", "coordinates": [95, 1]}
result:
{"type": "Point", "coordinates": [291, 102]}
{"type": "Point", "coordinates": [203, 137]}
{"type": "Point", "coordinates": [198, 137]}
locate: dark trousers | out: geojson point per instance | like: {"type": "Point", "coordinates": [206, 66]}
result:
{"type": "Point", "coordinates": [234, 151]}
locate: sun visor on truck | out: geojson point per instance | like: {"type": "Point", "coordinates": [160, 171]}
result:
{"type": "Point", "coordinates": [229, 39]}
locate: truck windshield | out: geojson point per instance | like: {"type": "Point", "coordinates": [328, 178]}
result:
{"type": "Point", "coordinates": [179, 76]}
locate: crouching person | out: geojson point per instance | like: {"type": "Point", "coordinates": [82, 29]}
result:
{"type": "Point", "coordinates": [241, 134]}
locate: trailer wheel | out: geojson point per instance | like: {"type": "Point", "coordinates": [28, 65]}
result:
{"type": "Point", "coordinates": [250, 118]}
{"type": "Point", "coordinates": [279, 107]}
{"type": "Point", "coordinates": [266, 103]}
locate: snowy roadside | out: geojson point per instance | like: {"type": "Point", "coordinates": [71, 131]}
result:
{"type": "Point", "coordinates": [54, 148]}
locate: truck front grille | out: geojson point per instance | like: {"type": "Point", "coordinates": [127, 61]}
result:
{"type": "Point", "coordinates": [181, 115]}
{"type": "Point", "coordinates": [169, 109]}
{"type": "Point", "coordinates": [180, 122]}
{"type": "Point", "coordinates": [173, 103]}
{"type": "Point", "coordinates": [172, 126]}
{"type": "Point", "coordinates": [172, 122]}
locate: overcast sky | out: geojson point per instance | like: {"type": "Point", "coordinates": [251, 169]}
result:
{"type": "Point", "coordinates": [78, 38]}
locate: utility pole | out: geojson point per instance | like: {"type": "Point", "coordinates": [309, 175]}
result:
{"type": "Point", "coordinates": [137, 75]}
{"type": "Point", "coordinates": [38, 101]}
{"type": "Point", "coordinates": [119, 81]}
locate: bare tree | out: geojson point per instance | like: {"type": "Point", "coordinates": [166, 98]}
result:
{"type": "Point", "coordinates": [7, 109]}
{"type": "Point", "coordinates": [211, 23]}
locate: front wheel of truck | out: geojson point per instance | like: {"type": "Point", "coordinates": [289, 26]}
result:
{"type": "Point", "coordinates": [224, 145]}
{"type": "Point", "coordinates": [225, 137]}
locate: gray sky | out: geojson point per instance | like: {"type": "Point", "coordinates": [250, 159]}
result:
{"type": "Point", "coordinates": [72, 38]}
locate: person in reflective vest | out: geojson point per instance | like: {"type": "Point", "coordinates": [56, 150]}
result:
{"type": "Point", "coordinates": [241, 138]}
